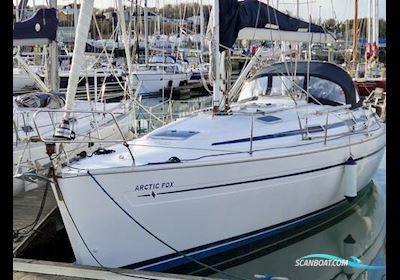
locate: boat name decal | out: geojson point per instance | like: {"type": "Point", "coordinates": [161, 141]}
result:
{"type": "Point", "coordinates": [154, 186]}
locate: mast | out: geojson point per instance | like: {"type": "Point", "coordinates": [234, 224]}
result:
{"type": "Point", "coordinates": [16, 11]}
{"type": "Point", "coordinates": [54, 78]}
{"type": "Point", "coordinates": [158, 24]}
{"type": "Point", "coordinates": [78, 59]}
{"type": "Point", "coordinates": [201, 30]}
{"type": "Point", "coordinates": [376, 23]}
{"type": "Point", "coordinates": [369, 22]}
{"type": "Point", "coordinates": [75, 15]}
{"type": "Point", "coordinates": [217, 95]}
{"type": "Point", "coordinates": [146, 34]}
{"type": "Point", "coordinates": [355, 27]}
{"type": "Point", "coordinates": [137, 28]}
{"type": "Point", "coordinates": [125, 40]}
{"type": "Point", "coordinates": [298, 44]}
{"type": "Point", "coordinates": [346, 34]}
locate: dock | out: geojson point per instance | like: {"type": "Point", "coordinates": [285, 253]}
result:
{"type": "Point", "coordinates": [37, 270]}
{"type": "Point", "coordinates": [26, 207]}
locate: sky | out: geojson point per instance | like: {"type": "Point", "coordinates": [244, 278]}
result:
{"type": "Point", "coordinates": [344, 9]}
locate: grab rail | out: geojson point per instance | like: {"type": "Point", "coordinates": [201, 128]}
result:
{"type": "Point", "coordinates": [60, 140]}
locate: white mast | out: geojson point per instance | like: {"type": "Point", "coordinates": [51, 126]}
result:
{"type": "Point", "coordinates": [158, 24]}
{"type": "Point", "coordinates": [369, 22]}
{"type": "Point", "coordinates": [78, 59]}
{"type": "Point", "coordinates": [217, 95]}
{"type": "Point", "coordinates": [201, 30]}
{"type": "Point", "coordinates": [146, 34]}
{"type": "Point", "coordinates": [75, 15]}
{"type": "Point", "coordinates": [355, 29]}
{"type": "Point", "coordinates": [373, 21]}
{"type": "Point", "coordinates": [376, 22]}
{"type": "Point", "coordinates": [16, 11]}
{"type": "Point", "coordinates": [121, 22]}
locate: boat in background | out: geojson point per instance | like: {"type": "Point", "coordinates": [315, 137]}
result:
{"type": "Point", "coordinates": [161, 72]}
{"type": "Point", "coordinates": [369, 76]}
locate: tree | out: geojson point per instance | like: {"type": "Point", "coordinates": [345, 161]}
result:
{"type": "Point", "coordinates": [330, 24]}
{"type": "Point", "coordinates": [382, 28]}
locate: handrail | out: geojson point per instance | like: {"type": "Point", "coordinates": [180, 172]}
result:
{"type": "Point", "coordinates": [60, 140]}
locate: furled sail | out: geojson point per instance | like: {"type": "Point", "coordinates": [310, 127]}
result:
{"type": "Point", "coordinates": [39, 29]}
{"type": "Point", "coordinates": [254, 20]}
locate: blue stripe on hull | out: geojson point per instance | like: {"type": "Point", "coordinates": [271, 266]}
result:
{"type": "Point", "coordinates": [262, 179]}
{"type": "Point", "coordinates": [174, 260]}
{"type": "Point", "coordinates": [268, 232]}
{"type": "Point", "coordinates": [198, 253]}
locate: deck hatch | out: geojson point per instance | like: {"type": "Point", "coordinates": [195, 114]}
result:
{"type": "Point", "coordinates": [175, 134]}
{"type": "Point", "coordinates": [269, 119]}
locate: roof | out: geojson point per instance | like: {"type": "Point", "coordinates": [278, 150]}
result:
{"type": "Point", "coordinates": [323, 70]}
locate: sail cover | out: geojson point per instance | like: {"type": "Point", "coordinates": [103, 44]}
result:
{"type": "Point", "coordinates": [39, 29]}
{"type": "Point", "coordinates": [259, 21]}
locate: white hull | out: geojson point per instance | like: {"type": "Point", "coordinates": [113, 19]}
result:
{"type": "Point", "coordinates": [205, 202]}
{"type": "Point", "coordinates": [151, 82]}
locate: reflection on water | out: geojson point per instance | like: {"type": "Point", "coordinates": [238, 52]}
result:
{"type": "Point", "coordinates": [364, 223]}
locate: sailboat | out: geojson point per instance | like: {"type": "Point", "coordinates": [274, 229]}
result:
{"type": "Point", "coordinates": [41, 29]}
{"type": "Point", "coordinates": [286, 144]}
{"type": "Point", "coordinates": [158, 72]}
{"type": "Point", "coordinates": [161, 72]}
{"type": "Point", "coordinates": [369, 75]}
